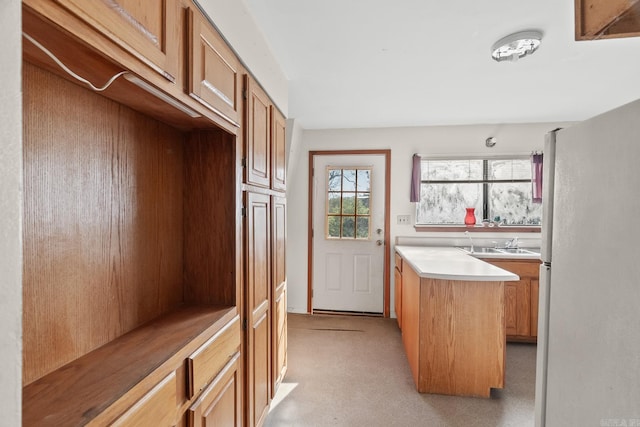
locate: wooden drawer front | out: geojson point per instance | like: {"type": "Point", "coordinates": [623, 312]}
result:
{"type": "Point", "coordinates": [156, 408]}
{"type": "Point", "coordinates": [213, 73]}
{"type": "Point", "coordinates": [147, 29]}
{"type": "Point", "coordinates": [399, 263]}
{"type": "Point", "coordinates": [522, 269]}
{"type": "Point", "coordinates": [210, 358]}
{"type": "Point", "coordinates": [220, 404]}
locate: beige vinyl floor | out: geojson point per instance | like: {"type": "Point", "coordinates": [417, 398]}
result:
{"type": "Point", "coordinates": [352, 371]}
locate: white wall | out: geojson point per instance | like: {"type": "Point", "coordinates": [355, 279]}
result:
{"type": "Point", "coordinates": [10, 214]}
{"type": "Point", "coordinates": [403, 142]}
{"type": "Point", "coordinates": [239, 28]}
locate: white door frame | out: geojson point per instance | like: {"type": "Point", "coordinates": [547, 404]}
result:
{"type": "Point", "coordinates": [387, 246]}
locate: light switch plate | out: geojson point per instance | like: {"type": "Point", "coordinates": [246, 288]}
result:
{"type": "Point", "coordinates": [404, 219]}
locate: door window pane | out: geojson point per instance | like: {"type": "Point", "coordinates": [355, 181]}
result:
{"type": "Point", "coordinates": [348, 202]}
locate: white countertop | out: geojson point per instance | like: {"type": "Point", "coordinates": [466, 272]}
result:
{"type": "Point", "coordinates": [452, 264]}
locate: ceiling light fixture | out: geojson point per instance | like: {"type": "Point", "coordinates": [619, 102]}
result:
{"type": "Point", "coordinates": [516, 46]}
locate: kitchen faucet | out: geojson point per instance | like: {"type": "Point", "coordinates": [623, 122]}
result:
{"type": "Point", "coordinates": [466, 233]}
{"type": "Point", "coordinates": [512, 243]}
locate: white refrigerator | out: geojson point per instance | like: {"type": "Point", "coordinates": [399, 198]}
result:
{"type": "Point", "coordinates": [588, 357]}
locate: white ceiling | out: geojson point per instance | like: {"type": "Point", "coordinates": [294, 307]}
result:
{"type": "Point", "coordinates": [375, 63]}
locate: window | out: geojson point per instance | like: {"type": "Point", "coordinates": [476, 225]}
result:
{"type": "Point", "coordinates": [498, 188]}
{"type": "Point", "coordinates": [348, 201]}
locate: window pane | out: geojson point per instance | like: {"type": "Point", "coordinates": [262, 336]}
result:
{"type": "Point", "coordinates": [348, 180]}
{"type": "Point", "coordinates": [364, 180]}
{"type": "Point", "coordinates": [447, 203]}
{"type": "Point", "coordinates": [349, 203]}
{"type": "Point", "coordinates": [363, 204]}
{"type": "Point", "coordinates": [333, 206]}
{"type": "Point", "coordinates": [512, 203]}
{"type": "Point", "coordinates": [509, 169]}
{"type": "Point", "coordinates": [333, 226]}
{"type": "Point", "coordinates": [451, 170]}
{"type": "Point", "coordinates": [348, 226]}
{"type": "Point", "coordinates": [362, 231]}
{"type": "Point", "coordinates": [334, 179]}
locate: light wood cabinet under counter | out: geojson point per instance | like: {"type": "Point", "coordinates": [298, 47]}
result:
{"type": "Point", "coordinates": [521, 298]}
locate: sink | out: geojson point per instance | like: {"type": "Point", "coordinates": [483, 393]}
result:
{"type": "Point", "coordinates": [517, 251]}
{"type": "Point", "coordinates": [482, 250]}
{"type": "Point", "coordinates": [514, 251]}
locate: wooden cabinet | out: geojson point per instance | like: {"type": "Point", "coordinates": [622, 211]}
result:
{"type": "Point", "coordinates": [131, 260]}
{"type": "Point", "coordinates": [258, 136]}
{"type": "Point", "coordinates": [221, 403]}
{"type": "Point", "coordinates": [279, 290]}
{"type": "Point", "coordinates": [265, 284]}
{"type": "Point", "coordinates": [598, 19]}
{"type": "Point", "coordinates": [141, 281]}
{"type": "Point", "coordinates": [258, 277]}
{"type": "Point", "coordinates": [214, 78]}
{"type": "Point", "coordinates": [521, 299]}
{"type": "Point", "coordinates": [148, 30]}
{"type": "Point", "coordinates": [278, 152]}
{"type": "Point", "coordinates": [398, 289]}
{"type": "Point", "coordinates": [453, 334]}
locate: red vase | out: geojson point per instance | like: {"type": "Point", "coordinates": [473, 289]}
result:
{"type": "Point", "coordinates": [470, 218]}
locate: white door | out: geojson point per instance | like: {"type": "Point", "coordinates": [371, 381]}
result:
{"type": "Point", "coordinates": [348, 233]}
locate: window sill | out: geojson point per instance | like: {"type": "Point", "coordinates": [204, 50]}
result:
{"type": "Point", "coordinates": [478, 228]}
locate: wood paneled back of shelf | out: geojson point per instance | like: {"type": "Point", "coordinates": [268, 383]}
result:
{"type": "Point", "coordinates": [103, 229]}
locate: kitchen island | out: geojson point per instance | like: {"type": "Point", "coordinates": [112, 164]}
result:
{"type": "Point", "coordinates": [453, 320]}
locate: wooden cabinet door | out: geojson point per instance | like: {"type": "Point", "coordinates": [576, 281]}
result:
{"type": "Point", "coordinates": [278, 151]}
{"type": "Point", "coordinates": [535, 292]}
{"type": "Point", "coordinates": [258, 294]}
{"type": "Point", "coordinates": [258, 136]}
{"type": "Point", "coordinates": [220, 404]}
{"type": "Point", "coordinates": [510, 307]}
{"type": "Point", "coordinates": [520, 302]}
{"type": "Point", "coordinates": [149, 30]}
{"type": "Point", "coordinates": [398, 296]}
{"type": "Point", "coordinates": [279, 289]}
{"type": "Point", "coordinates": [214, 79]}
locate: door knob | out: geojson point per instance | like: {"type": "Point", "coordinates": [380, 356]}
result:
{"type": "Point", "coordinates": [379, 242]}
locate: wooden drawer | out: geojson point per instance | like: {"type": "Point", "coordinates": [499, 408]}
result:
{"type": "Point", "coordinates": [156, 408]}
{"type": "Point", "coordinates": [399, 262]}
{"type": "Point", "coordinates": [207, 361]}
{"type": "Point", "coordinates": [221, 403]}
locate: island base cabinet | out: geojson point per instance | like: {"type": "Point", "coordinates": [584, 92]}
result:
{"type": "Point", "coordinates": [454, 334]}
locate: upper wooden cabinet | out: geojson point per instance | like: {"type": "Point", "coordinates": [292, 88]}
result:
{"type": "Point", "coordinates": [598, 19]}
{"type": "Point", "coordinates": [214, 79]}
{"type": "Point", "coordinates": [265, 133]}
{"type": "Point", "coordinates": [258, 136]}
{"type": "Point", "coordinates": [149, 30]}
{"type": "Point", "coordinates": [278, 153]}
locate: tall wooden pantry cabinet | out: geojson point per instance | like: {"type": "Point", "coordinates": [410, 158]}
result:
{"type": "Point", "coordinates": [265, 234]}
{"type": "Point", "coordinates": [154, 279]}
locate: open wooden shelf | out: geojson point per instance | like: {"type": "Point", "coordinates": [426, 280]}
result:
{"type": "Point", "coordinates": [76, 393]}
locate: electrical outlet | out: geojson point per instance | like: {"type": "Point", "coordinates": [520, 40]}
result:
{"type": "Point", "coordinates": [404, 219]}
